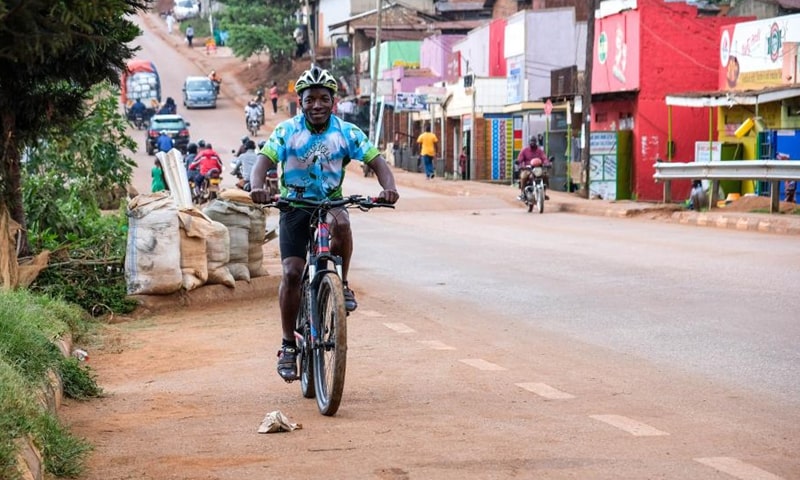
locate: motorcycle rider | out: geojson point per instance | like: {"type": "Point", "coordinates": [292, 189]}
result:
{"type": "Point", "coordinates": [215, 79]}
{"type": "Point", "coordinates": [206, 160]}
{"type": "Point", "coordinates": [137, 109]}
{"type": "Point", "coordinates": [169, 107]}
{"type": "Point", "coordinates": [191, 154]}
{"type": "Point", "coordinates": [242, 146]}
{"type": "Point", "coordinates": [244, 165]}
{"type": "Point", "coordinates": [531, 156]}
{"type": "Point", "coordinates": [164, 142]}
{"type": "Point", "coordinates": [251, 112]}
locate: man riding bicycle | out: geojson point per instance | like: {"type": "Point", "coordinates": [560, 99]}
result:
{"type": "Point", "coordinates": [312, 150]}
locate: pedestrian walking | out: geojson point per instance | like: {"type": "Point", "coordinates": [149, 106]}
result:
{"type": "Point", "coordinates": [170, 22]}
{"type": "Point", "coordinates": [273, 97]}
{"type": "Point", "coordinates": [189, 35]}
{"type": "Point", "coordinates": [427, 151]}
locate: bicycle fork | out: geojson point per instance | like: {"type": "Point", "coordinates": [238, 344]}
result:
{"type": "Point", "coordinates": [318, 262]}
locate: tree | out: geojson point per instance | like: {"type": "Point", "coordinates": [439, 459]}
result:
{"type": "Point", "coordinates": [52, 52]}
{"type": "Point", "coordinates": [257, 27]}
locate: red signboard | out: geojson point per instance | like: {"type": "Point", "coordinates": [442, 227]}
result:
{"type": "Point", "coordinates": [616, 53]}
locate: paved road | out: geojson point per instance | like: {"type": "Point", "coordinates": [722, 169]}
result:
{"type": "Point", "coordinates": [489, 343]}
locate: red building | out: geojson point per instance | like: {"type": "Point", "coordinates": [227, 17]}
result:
{"type": "Point", "coordinates": [640, 56]}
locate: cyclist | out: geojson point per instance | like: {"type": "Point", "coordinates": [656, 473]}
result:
{"type": "Point", "coordinates": [312, 150]}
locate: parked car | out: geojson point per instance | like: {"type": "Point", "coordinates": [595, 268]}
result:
{"type": "Point", "coordinates": [184, 9]}
{"type": "Point", "coordinates": [199, 92]}
{"type": "Point", "coordinates": [174, 125]}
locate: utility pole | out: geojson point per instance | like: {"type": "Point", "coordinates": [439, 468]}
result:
{"type": "Point", "coordinates": [312, 44]}
{"type": "Point", "coordinates": [373, 96]}
{"type": "Point", "coordinates": [587, 97]}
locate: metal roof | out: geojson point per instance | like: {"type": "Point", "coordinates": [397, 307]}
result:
{"type": "Point", "coordinates": [723, 98]}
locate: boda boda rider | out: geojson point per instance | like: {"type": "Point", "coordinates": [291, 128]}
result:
{"type": "Point", "coordinates": [206, 160]}
{"type": "Point", "coordinates": [531, 156]}
{"type": "Point", "coordinates": [138, 108]}
{"type": "Point", "coordinates": [312, 150]}
{"type": "Point", "coordinates": [251, 112]}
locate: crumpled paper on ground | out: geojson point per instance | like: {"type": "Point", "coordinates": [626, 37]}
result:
{"type": "Point", "coordinates": [276, 422]}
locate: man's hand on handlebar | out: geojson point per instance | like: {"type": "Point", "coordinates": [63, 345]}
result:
{"type": "Point", "coordinates": [388, 196]}
{"type": "Point", "coordinates": [260, 196]}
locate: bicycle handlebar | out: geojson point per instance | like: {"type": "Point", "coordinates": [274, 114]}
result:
{"type": "Point", "coordinates": [363, 203]}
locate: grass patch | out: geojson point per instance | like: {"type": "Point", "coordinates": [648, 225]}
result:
{"type": "Point", "coordinates": [29, 325]}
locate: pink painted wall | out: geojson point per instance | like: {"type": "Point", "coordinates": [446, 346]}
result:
{"type": "Point", "coordinates": [497, 60]}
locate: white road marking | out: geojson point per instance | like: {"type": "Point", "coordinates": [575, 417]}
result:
{"type": "Point", "coordinates": [481, 364]}
{"type": "Point", "coordinates": [737, 468]}
{"type": "Point", "coordinates": [400, 327]}
{"type": "Point", "coordinates": [436, 345]}
{"type": "Point", "coordinates": [629, 425]}
{"type": "Point", "coordinates": [372, 314]}
{"type": "Point", "coordinates": [545, 390]}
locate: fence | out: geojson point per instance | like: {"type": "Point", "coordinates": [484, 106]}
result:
{"type": "Point", "coordinates": [772, 171]}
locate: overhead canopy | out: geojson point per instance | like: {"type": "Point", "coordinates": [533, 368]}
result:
{"type": "Point", "coordinates": [731, 98]}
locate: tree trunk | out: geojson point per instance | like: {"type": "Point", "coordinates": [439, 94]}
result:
{"type": "Point", "coordinates": [11, 185]}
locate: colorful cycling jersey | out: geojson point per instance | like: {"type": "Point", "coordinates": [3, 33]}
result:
{"type": "Point", "coordinates": [316, 161]}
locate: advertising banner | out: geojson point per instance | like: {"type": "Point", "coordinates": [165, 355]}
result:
{"type": "Point", "coordinates": [616, 57]}
{"type": "Point", "coordinates": [758, 54]}
{"type": "Point", "coordinates": [410, 102]}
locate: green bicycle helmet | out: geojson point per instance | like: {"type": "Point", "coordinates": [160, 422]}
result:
{"type": "Point", "coordinates": [316, 77]}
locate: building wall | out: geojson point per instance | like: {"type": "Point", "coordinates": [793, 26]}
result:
{"type": "Point", "coordinates": [330, 12]}
{"type": "Point", "coordinates": [437, 55]}
{"type": "Point", "coordinates": [551, 42]}
{"type": "Point", "coordinates": [685, 55]}
{"type": "Point", "coordinates": [673, 50]}
{"type": "Point", "coordinates": [474, 51]}
{"type": "Point", "coordinates": [504, 8]}
{"type": "Point", "coordinates": [581, 6]}
{"type": "Point", "coordinates": [497, 35]}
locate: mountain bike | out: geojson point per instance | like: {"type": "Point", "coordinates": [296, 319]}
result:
{"type": "Point", "coordinates": [321, 326]}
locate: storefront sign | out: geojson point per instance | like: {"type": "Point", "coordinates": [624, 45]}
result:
{"type": "Point", "coordinates": [758, 54]}
{"type": "Point", "coordinates": [616, 59]}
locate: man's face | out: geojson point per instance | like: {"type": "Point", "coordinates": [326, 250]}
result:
{"type": "Point", "coordinates": [533, 143]}
{"type": "Point", "coordinates": [317, 105]}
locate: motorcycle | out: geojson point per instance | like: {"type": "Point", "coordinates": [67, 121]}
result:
{"type": "Point", "coordinates": [139, 121]}
{"type": "Point", "coordinates": [535, 192]}
{"type": "Point", "coordinates": [253, 125]}
{"type": "Point", "coordinates": [270, 182]}
{"type": "Point", "coordinates": [208, 189]}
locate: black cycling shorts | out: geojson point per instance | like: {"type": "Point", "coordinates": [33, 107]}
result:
{"type": "Point", "coordinates": [294, 232]}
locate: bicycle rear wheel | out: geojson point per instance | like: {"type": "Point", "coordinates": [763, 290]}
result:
{"type": "Point", "coordinates": [330, 351]}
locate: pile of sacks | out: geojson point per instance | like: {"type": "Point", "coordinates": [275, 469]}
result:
{"type": "Point", "coordinates": [171, 249]}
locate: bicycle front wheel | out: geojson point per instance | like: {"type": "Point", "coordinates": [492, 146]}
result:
{"type": "Point", "coordinates": [303, 330]}
{"type": "Point", "coordinates": [330, 350]}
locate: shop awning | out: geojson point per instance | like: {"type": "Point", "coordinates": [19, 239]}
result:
{"type": "Point", "coordinates": [730, 98]}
